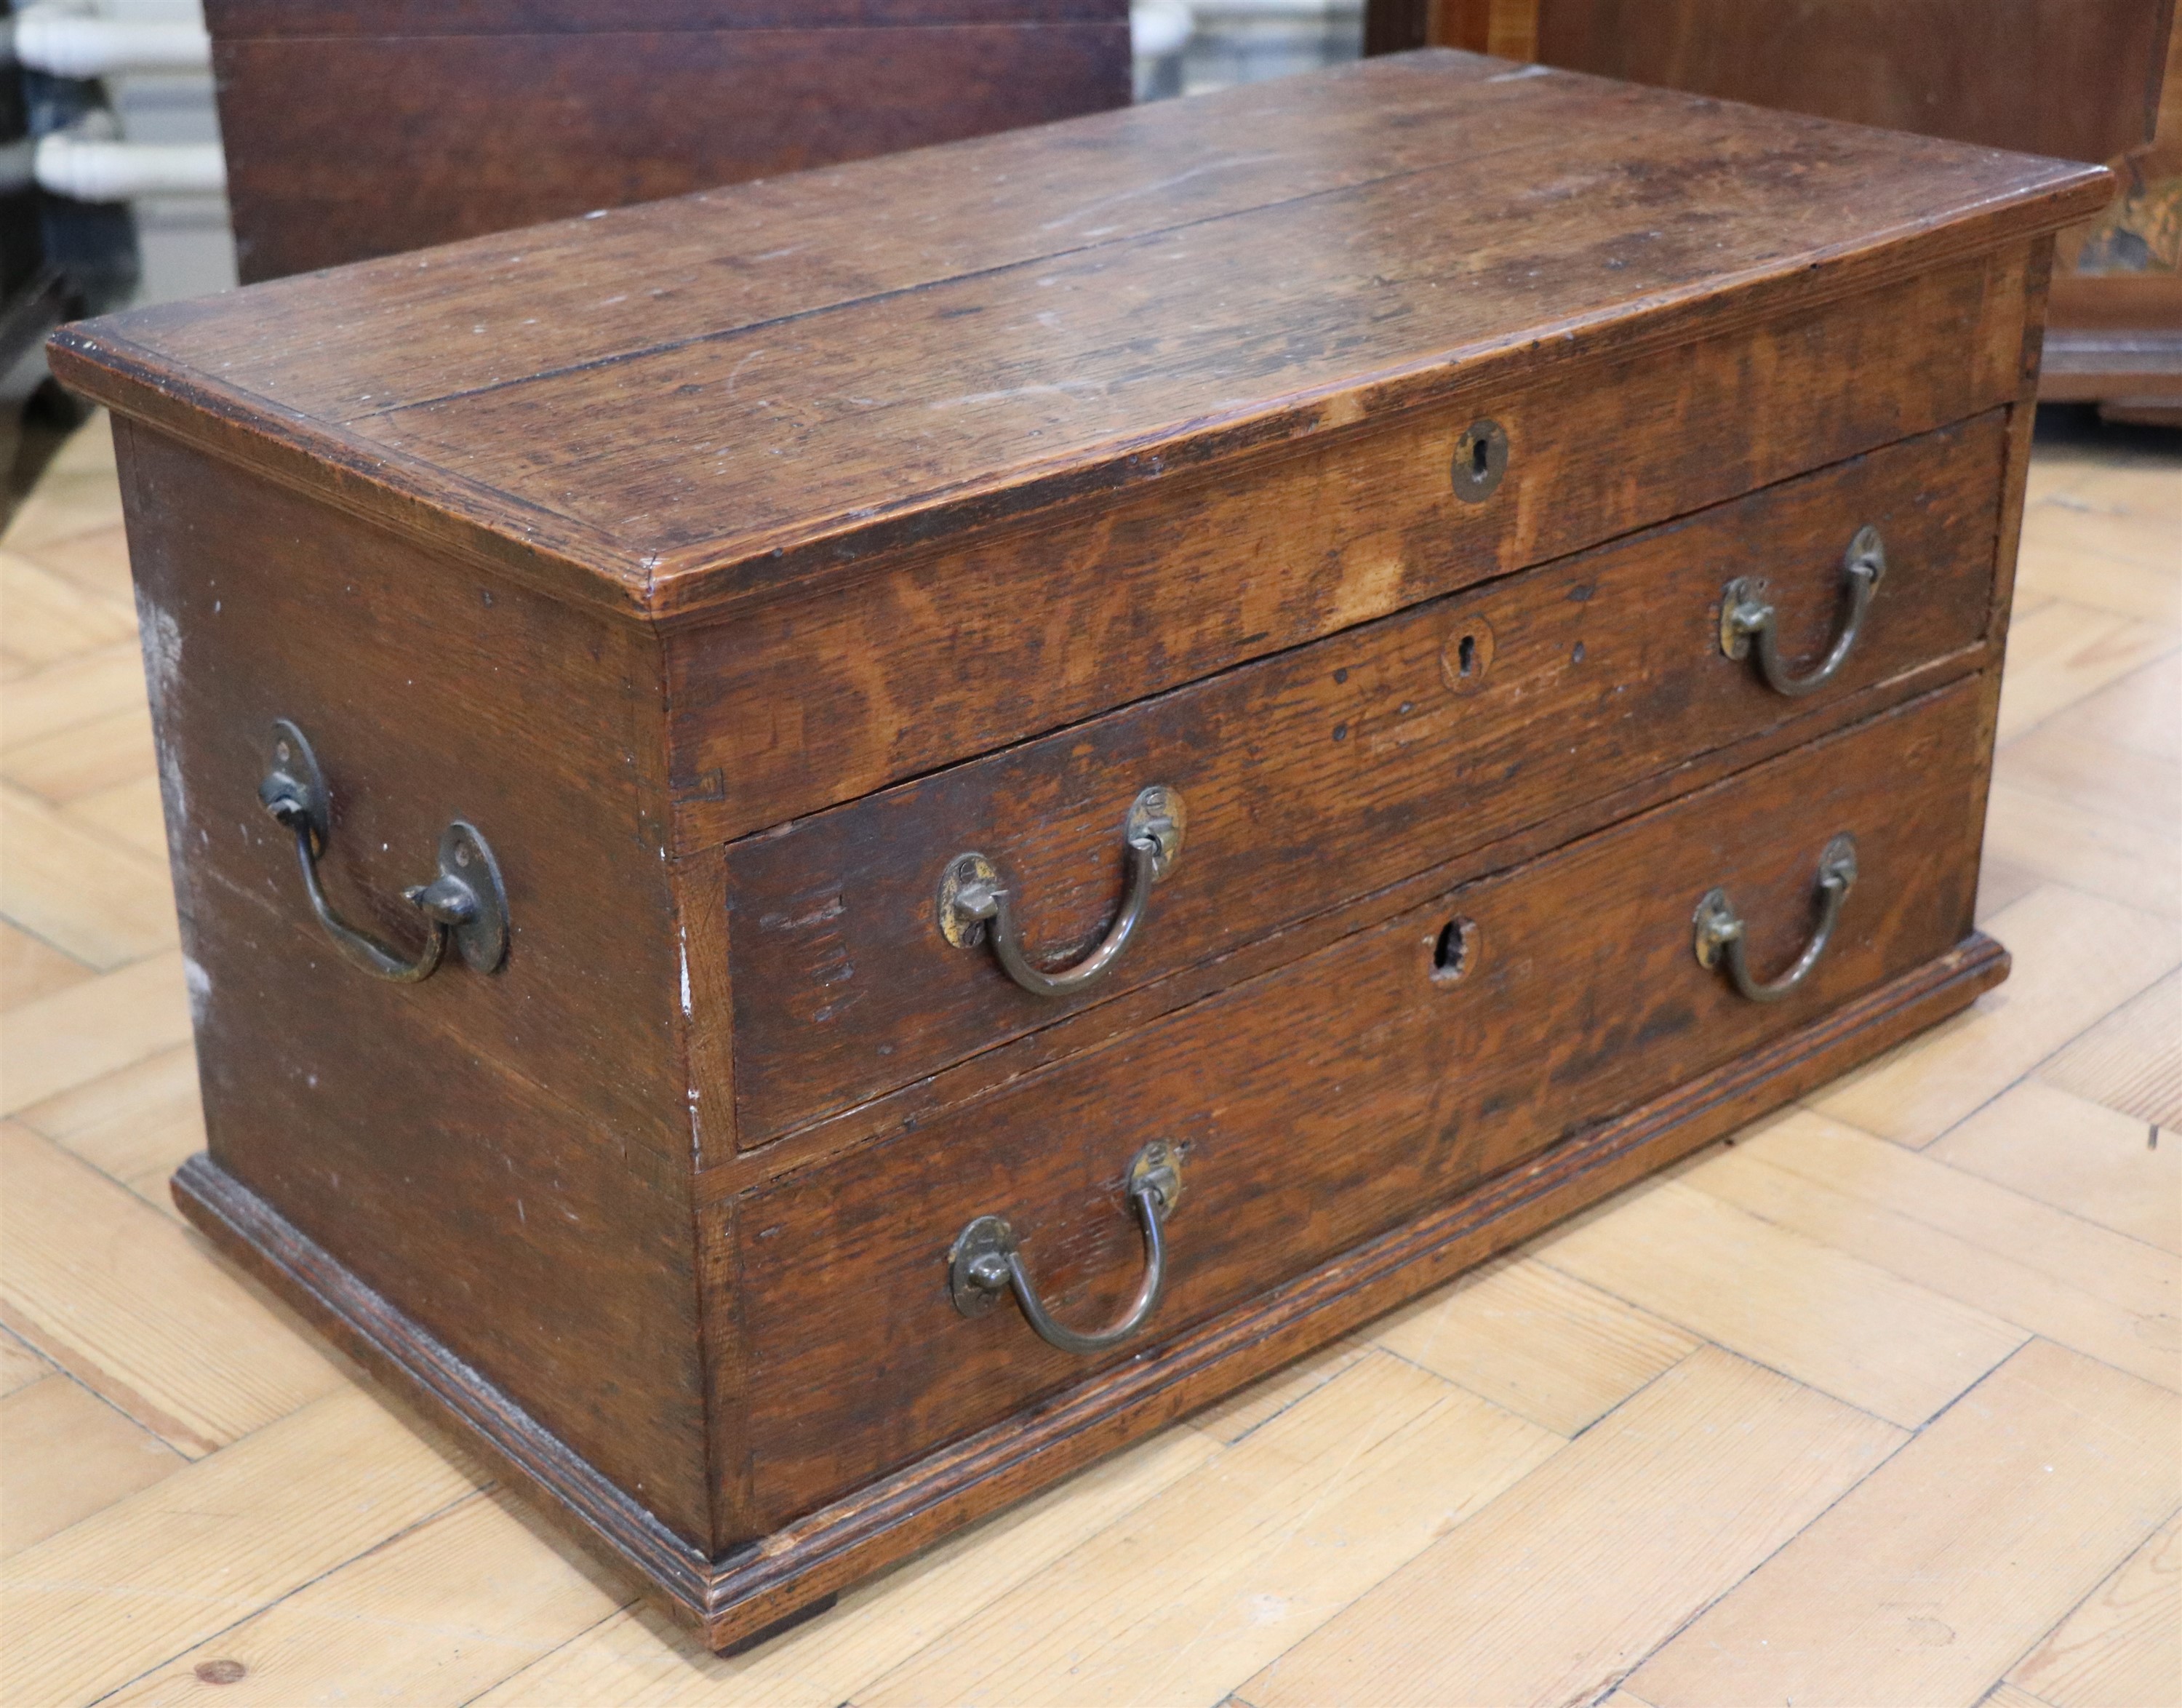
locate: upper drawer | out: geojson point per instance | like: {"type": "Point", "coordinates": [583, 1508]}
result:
{"type": "Point", "coordinates": [1342, 1094]}
{"type": "Point", "coordinates": [1329, 772]}
{"type": "Point", "coordinates": [1031, 622]}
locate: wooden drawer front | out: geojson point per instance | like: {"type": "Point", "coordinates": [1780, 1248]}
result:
{"type": "Point", "coordinates": [1337, 1096]}
{"type": "Point", "coordinates": [940, 655]}
{"type": "Point", "coordinates": [1328, 772]}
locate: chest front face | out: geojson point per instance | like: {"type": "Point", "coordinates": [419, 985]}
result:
{"type": "Point", "coordinates": [1112, 753]}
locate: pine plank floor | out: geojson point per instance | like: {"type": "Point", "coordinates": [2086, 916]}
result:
{"type": "Point", "coordinates": [1875, 1405]}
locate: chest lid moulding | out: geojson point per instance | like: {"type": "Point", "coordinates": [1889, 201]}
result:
{"type": "Point", "coordinates": [580, 556]}
{"type": "Point", "coordinates": [701, 409]}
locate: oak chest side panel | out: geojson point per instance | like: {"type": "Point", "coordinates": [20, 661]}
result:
{"type": "Point", "coordinates": [429, 693]}
{"type": "Point", "coordinates": [503, 1157]}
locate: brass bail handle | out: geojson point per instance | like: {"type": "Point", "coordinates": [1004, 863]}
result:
{"type": "Point", "coordinates": [974, 903]}
{"type": "Point", "coordinates": [1746, 615]}
{"type": "Point", "coordinates": [985, 1263]}
{"type": "Point", "coordinates": [465, 900]}
{"type": "Point", "coordinates": [1720, 937]}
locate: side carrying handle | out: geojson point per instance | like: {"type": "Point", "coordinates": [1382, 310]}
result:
{"type": "Point", "coordinates": [1719, 932]}
{"type": "Point", "coordinates": [986, 1262]}
{"type": "Point", "coordinates": [466, 901]}
{"type": "Point", "coordinates": [973, 902]}
{"type": "Point", "coordinates": [1745, 615]}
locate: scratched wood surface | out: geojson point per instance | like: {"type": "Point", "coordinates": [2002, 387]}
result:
{"type": "Point", "coordinates": [883, 355]}
{"type": "Point", "coordinates": [1876, 1405]}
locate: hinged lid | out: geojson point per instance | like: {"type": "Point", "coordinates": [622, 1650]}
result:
{"type": "Point", "coordinates": [714, 398]}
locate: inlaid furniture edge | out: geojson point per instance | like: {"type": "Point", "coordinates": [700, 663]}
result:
{"type": "Point", "coordinates": [565, 558]}
{"type": "Point", "coordinates": [726, 1173]}
{"type": "Point", "coordinates": [749, 1590]}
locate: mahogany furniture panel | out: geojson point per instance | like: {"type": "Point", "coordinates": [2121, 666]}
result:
{"type": "Point", "coordinates": [576, 653]}
{"type": "Point", "coordinates": [2075, 78]}
{"type": "Point", "coordinates": [359, 130]}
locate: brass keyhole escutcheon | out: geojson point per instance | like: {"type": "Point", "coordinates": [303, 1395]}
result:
{"type": "Point", "coordinates": [1481, 458]}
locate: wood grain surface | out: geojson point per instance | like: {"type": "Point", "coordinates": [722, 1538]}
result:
{"type": "Point", "coordinates": [351, 133]}
{"type": "Point", "coordinates": [342, 1563]}
{"type": "Point", "coordinates": [1319, 1105]}
{"type": "Point", "coordinates": [522, 1202]}
{"type": "Point", "coordinates": [1332, 770]}
{"type": "Point", "coordinates": [2077, 79]}
{"type": "Point", "coordinates": [793, 706]}
{"type": "Point", "coordinates": [852, 421]}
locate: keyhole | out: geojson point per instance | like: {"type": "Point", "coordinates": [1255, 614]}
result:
{"type": "Point", "coordinates": [1481, 458]}
{"type": "Point", "coordinates": [1465, 655]}
{"type": "Point", "coordinates": [1451, 949]}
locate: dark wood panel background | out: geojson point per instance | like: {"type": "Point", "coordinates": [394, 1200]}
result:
{"type": "Point", "coordinates": [2079, 79]}
{"type": "Point", "coordinates": [351, 132]}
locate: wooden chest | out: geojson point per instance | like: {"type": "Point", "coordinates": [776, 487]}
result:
{"type": "Point", "coordinates": [355, 128]}
{"type": "Point", "coordinates": [1051, 770]}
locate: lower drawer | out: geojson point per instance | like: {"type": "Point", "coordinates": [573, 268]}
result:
{"type": "Point", "coordinates": [1339, 1095]}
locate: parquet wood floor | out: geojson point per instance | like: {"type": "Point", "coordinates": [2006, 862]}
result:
{"type": "Point", "coordinates": [1875, 1405]}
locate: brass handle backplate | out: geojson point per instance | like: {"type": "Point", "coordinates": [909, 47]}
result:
{"type": "Point", "coordinates": [975, 904]}
{"type": "Point", "coordinates": [465, 900]}
{"type": "Point", "coordinates": [985, 1263]}
{"type": "Point", "coordinates": [1720, 937]}
{"type": "Point", "coordinates": [1746, 616]}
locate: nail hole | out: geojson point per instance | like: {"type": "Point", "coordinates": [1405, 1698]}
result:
{"type": "Point", "coordinates": [1451, 950]}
